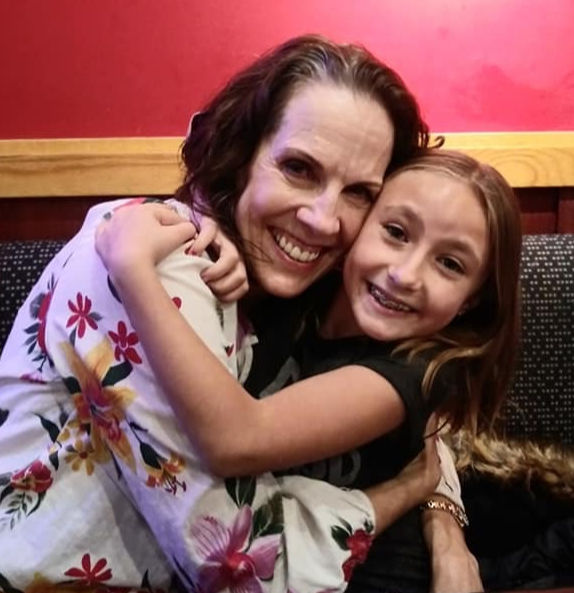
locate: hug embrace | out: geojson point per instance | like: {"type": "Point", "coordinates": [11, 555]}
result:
{"type": "Point", "coordinates": [260, 415]}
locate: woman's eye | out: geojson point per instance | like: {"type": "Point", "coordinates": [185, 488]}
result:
{"type": "Point", "coordinates": [362, 192]}
{"type": "Point", "coordinates": [297, 168]}
{"type": "Point", "coordinates": [395, 232]}
{"type": "Point", "coordinates": [452, 265]}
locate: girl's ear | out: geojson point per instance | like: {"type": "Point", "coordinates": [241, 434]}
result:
{"type": "Point", "coordinates": [470, 303]}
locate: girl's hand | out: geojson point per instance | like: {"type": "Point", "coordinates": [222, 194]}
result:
{"type": "Point", "coordinates": [227, 276]}
{"type": "Point", "coordinates": [140, 236]}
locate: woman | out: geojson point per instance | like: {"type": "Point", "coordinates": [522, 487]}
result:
{"type": "Point", "coordinates": [85, 454]}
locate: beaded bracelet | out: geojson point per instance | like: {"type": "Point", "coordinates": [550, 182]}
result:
{"type": "Point", "coordinates": [447, 506]}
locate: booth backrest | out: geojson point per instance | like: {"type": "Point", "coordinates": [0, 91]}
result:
{"type": "Point", "coordinates": [541, 402]}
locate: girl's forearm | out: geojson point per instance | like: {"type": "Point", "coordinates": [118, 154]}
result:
{"type": "Point", "coordinates": [454, 567]}
{"type": "Point", "coordinates": [176, 354]}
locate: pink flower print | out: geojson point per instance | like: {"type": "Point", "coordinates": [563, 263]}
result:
{"type": "Point", "coordinates": [82, 314]}
{"type": "Point", "coordinates": [125, 344]}
{"type": "Point", "coordinates": [88, 575]}
{"type": "Point", "coordinates": [228, 560]}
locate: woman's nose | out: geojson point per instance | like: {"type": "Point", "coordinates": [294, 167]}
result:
{"type": "Point", "coordinates": [322, 214]}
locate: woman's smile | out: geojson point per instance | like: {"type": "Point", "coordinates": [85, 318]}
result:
{"type": "Point", "coordinates": [295, 249]}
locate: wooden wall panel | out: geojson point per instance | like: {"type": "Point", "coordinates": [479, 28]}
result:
{"type": "Point", "coordinates": [544, 210]}
{"type": "Point", "coordinates": [566, 210]}
{"type": "Point", "coordinates": [43, 218]}
{"type": "Point", "coordinates": [539, 208]}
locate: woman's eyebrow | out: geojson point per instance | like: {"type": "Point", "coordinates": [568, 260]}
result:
{"type": "Point", "coordinates": [291, 151]}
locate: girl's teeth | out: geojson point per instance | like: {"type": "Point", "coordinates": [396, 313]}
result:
{"type": "Point", "coordinates": [383, 300]}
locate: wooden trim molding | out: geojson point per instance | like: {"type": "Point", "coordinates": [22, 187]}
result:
{"type": "Point", "coordinates": [89, 167]}
{"type": "Point", "coordinates": [526, 159]}
{"type": "Point", "coordinates": [150, 166]}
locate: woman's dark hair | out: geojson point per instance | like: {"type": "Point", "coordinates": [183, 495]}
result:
{"type": "Point", "coordinates": [225, 136]}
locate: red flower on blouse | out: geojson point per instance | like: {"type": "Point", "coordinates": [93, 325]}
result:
{"type": "Point", "coordinates": [88, 575]}
{"type": "Point", "coordinates": [82, 314]}
{"type": "Point", "coordinates": [36, 477]}
{"type": "Point", "coordinates": [42, 313]}
{"type": "Point", "coordinates": [125, 343]}
{"type": "Point", "coordinates": [358, 543]}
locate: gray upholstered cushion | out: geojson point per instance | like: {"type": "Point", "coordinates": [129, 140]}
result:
{"type": "Point", "coordinates": [542, 399]}
{"type": "Point", "coordinates": [21, 263]}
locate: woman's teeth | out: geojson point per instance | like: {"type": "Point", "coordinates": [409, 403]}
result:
{"type": "Point", "coordinates": [383, 299]}
{"type": "Point", "coordinates": [294, 251]}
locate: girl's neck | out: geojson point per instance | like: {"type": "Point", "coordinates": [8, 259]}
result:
{"type": "Point", "coordinates": [338, 320]}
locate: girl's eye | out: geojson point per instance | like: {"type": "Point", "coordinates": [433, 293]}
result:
{"type": "Point", "coordinates": [452, 265]}
{"type": "Point", "coordinates": [297, 168]}
{"type": "Point", "coordinates": [362, 192]}
{"type": "Point", "coordinates": [395, 231]}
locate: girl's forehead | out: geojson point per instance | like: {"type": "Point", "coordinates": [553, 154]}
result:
{"type": "Point", "coordinates": [418, 183]}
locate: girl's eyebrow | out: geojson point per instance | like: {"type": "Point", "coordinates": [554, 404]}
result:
{"type": "Point", "coordinates": [464, 247]}
{"type": "Point", "coordinates": [412, 217]}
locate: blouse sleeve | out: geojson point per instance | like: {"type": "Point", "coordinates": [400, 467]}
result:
{"type": "Point", "coordinates": [257, 533]}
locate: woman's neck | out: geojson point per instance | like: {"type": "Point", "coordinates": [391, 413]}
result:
{"type": "Point", "coordinates": [339, 321]}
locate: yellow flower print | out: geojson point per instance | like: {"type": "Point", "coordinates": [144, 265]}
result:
{"type": "Point", "coordinates": [163, 472]}
{"type": "Point", "coordinates": [100, 404]}
{"type": "Point", "coordinates": [80, 455]}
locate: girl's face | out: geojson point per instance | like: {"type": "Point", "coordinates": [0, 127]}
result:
{"type": "Point", "coordinates": [419, 259]}
{"type": "Point", "coordinates": [311, 184]}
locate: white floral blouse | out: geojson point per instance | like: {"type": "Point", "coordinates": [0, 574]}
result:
{"type": "Point", "coordinates": [99, 488]}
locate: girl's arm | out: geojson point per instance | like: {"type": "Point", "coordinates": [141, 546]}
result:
{"type": "Point", "coordinates": [454, 568]}
{"type": "Point", "coordinates": [238, 435]}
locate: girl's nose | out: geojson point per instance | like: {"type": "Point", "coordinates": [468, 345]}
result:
{"type": "Point", "coordinates": [406, 274]}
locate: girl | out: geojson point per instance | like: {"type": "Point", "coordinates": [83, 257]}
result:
{"type": "Point", "coordinates": [426, 319]}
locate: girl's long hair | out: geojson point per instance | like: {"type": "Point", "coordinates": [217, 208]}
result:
{"type": "Point", "coordinates": [483, 341]}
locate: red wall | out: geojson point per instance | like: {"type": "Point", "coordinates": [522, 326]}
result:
{"type": "Point", "coordinates": [96, 68]}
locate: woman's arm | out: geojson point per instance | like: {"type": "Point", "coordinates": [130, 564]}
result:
{"type": "Point", "coordinates": [237, 434]}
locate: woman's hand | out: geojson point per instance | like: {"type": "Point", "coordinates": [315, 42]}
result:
{"type": "Point", "coordinates": [423, 473]}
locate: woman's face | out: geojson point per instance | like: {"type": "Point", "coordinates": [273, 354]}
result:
{"type": "Point", "coordinates": [311, 185]}
{"type": "Point", "coordinates": [420, 257]}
